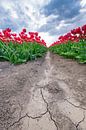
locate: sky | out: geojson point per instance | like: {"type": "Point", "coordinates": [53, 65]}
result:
{"type": "Point", "coordinates": [51, 18]}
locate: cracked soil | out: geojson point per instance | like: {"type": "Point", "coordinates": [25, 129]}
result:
{"type": "Point", "coordinates": [47, 94]}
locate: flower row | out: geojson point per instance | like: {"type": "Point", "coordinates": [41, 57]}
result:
{"type": "Point", "coordinates": [74, 35]}
{"type": "Point", "coordinates": [7, 36]}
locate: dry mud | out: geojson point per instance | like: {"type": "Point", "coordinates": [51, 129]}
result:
{"type": "Point", "coordinates": [47, 94]}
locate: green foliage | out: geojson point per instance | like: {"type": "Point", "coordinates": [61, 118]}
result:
{"type": "Point", "coordinates": [21, 53]}
{"type": "Point", "coordinates": [71, 50]}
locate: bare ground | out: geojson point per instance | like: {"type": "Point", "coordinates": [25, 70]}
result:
{"type": "Point", "coordinates": [47, 94]}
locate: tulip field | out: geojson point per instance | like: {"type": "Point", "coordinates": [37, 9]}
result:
{"type": "Point", "coordinates": [19, 48]}
{"type": "Point", "coordinates": [72, 45]}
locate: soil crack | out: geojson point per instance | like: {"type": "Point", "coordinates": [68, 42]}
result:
{"type": "Point", "coordinates": [75, 105]}
{"type": "Point", "coordinates": [16, 122]}
{"type": "Point", "coordinates": [51, 117]}
{"type": "Point", "coordinates": [26, 115]}
{"type": "Point", "coordinates": [81, 120]}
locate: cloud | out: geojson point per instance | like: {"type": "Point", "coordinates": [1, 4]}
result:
{"type": "Point", "coordinates": [66, 8]}
{"type": "Point", "coordinates": [71, 14]}
{"type": "Point", "coordinates": [83, 3]}
{"type": "Point", "coordinates": [23, 13]}
{"type": "Point", "coordinates": [48, 38]}
{"type": "Point", "coordinates": [51, 18]}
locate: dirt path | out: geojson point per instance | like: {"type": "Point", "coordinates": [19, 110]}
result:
{"type": "Point", "coordinates": [47, 94]}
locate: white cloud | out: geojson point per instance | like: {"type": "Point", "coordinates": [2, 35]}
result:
{"type": "Point", "coordinates": [62, 24]}
{"type": "Point", "coordinates": [83, 3]}
{"type": "Point", "coordinates": [48, 38]}
{"type": "Point", "coordinates": [6, 5]}
{"type": "Point", "coordinates": [30, 8]}
{"type": "Point", "coordinates": [10, 7]}
{"type": "Point", "coordinates": [13, 14]}
{"type": "Point", "coordinates": [83, 6]}
{"type": "Point", "coordinates": [83, 10]}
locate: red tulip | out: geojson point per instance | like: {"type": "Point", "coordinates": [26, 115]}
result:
{"type": "Point", "coordinates": [24, 30]}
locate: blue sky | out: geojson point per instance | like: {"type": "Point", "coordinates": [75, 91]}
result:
{"type": "Point", "coordinates": [51, 18]}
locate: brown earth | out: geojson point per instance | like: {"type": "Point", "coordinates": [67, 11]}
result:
{"type": "Point", "coordinates": [47, 94]}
